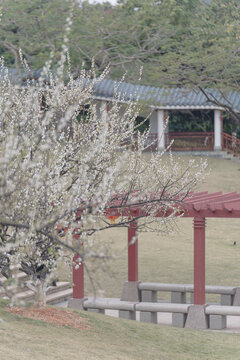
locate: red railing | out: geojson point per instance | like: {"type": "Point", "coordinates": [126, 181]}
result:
{"type": "Point", "coordinates": [151, 142]}
{"type": "Point", "coordinates": [231, 144]}
{"type": "Point", "coordinates": [187, 141]}
{"type": "Point", "coordinates": [193, 141]}
{"type": "Point", "coordinates": [190, 141]}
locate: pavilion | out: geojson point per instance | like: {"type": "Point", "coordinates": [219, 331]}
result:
{"type": "Point", "coordinates": [161, 102]}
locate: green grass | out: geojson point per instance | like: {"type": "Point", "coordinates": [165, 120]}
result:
{"type": "Point", "coordinates": [110, 338]}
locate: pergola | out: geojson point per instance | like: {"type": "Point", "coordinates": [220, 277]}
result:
{"type": "Point", "coordinates": [199, 206]}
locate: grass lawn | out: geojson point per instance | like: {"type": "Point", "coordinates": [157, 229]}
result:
{"type": "Point", "coordinates": [110, 338]}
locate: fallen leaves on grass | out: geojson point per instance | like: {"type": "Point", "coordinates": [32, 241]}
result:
{"type": "Point", "coordinates": [52, 315]}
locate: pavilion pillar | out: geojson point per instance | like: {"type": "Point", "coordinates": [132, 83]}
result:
{"type": "Point", "coordinates": [166, 128]}
{"type": "Point", "coordinates": [217, 130]}
{"type": "Point", "coordinates": [132, 252]}
{"type": "Point", "coordinates": [78, 284]}
{"type": "Point", "coordinates": [104, 108]}
{"type": "Point", "coordinates": [130, 289]}
{"type": "Point", "coordinates": [78, 278]}
{"type": "Point", "coordinates": [199, 260]}
{"type": "Point", "coordinates": [78, 298]}
{"type": "Point", "coordinates": [160, 130]}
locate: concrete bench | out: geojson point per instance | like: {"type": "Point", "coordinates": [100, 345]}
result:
{"type": "Point", "coordinates": [217, 315]}
{"type": "Point", "coordinates": [148, 290]}
{"type": "Point", "coordinates": [126, 308]}
{"type": "Point", "coordinates": [149, 310]}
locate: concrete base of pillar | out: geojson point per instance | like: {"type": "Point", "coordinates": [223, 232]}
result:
{"type": "Point", "coordinates": [130, 291]}
{"type": "Point", "coordinates": [217, 322]}
{"type": "Point", "coordinates": [146, 316]}
{"type": "Point", "coordinates": [196, 317]}
{"type": "Point", "coordinates": [179, 320]}
{"type": "Point", "coordinates": [76, 303]}
{"type": "Point", "coordinates": [217, 148]}
{"type": "Point", "coordinates": [129, 315]}
{"type": "Point", "coordinates": [236, 300]}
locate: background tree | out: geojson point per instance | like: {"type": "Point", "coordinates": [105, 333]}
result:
{"type": "Point", "coordinates": [36, 27]}
{"type": "Point", "coordinates": [129, 34]}
{"type": "Point", "coordinates": [178, 43]}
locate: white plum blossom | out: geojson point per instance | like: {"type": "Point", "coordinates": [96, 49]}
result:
{"type": "Point", "coordinates": [59, 171]}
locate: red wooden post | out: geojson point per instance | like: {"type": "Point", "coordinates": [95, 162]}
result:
{"type": "Point", "coordinates": [78, 278]}
{"type": "Point", "coordinates": [199, 260]}
{"type": "Point", "coordinates": [78, 273]}
{"type": "Point", "coordinates": [132, 252]}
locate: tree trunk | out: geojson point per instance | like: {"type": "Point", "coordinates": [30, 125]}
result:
{"type": "Point", "coordinates": [41, 296]}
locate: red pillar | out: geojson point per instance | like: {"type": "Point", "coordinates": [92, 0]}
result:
{"type": "Point", "coordinates": [132, 252]}
{"type": "Point", "coordinates": [78, 278]}
{"type": "Point", "coordinates": [199, 260]}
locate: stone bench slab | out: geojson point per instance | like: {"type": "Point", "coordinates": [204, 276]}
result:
{"type": "Point", "coordinates": [151, 286]}
{"type": "Point", "coordinates": [110, 304]}
{"type": "Point", "coordinates": [222, 310]}
{"type": "Point", "coordinates": [162, 307]}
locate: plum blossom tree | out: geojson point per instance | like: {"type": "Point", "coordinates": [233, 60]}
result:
{"type": "Point", "coordinates": [59, 172]}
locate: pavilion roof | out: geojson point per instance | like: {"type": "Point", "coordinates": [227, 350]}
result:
{"type": "Point", "coordinates": [166, 98]}
{"type": "Point", "coordinates": [156, 97]}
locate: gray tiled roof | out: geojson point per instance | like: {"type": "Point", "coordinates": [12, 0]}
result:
{"type": "Point", "coordinates": [173, 98]}
{"type": "Point", "coordinates": [164, 98]}
{"type": "Point", "coordinates": [18, 76]}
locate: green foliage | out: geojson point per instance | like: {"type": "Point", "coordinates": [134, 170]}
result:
{"type": "Point", "coordinates": [191, 121]}
{"type": "Point", "coordinates": [141, 124]}
{"type": "Point", "coordinates": [83, 114]}
{"type": "Point", "coordinates": [230, 127]}
{"type": "Point", "coordinates": [35, 27]}
{"type": "Point", "coordinates": [177, 42]}
{"type": "Point", "coordinates": [201, 121]}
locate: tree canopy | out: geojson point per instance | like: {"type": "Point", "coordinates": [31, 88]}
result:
{"type": "Point", "coordinates": [176, 42]}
